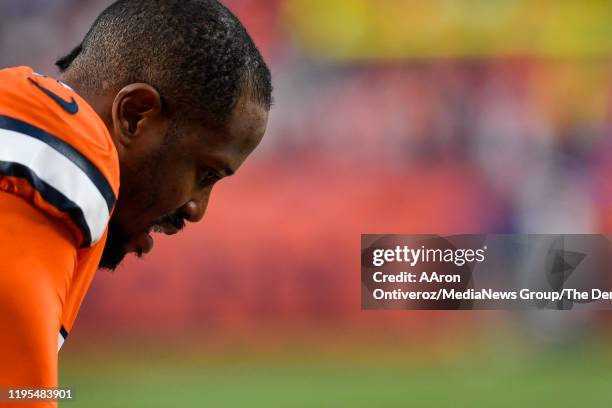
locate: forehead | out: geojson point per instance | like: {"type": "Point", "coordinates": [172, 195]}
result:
{"type": "Point", "coordinates": [231, 145]}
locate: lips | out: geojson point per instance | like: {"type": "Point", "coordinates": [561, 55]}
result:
{"type": "Point", "coordinates": [143, 243]}
{"type": "Point", "coordinates": [140, 244]}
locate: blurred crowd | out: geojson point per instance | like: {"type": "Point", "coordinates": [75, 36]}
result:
{"type": "Point", "coordinates": [493, 143]}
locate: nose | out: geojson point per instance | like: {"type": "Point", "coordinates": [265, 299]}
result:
{"type": "Point", "coordinates": [195, 208]}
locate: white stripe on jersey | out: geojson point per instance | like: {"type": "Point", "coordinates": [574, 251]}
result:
{"type": "Point", "coordinates": [60, 341]}
{"type": "Point", "coordinates": [60, 173]}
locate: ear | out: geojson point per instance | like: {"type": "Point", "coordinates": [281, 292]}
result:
{"type": "Point", "coordinates": [134, 106]}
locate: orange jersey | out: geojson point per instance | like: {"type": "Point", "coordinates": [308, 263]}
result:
{"type": "Point", "coordinates": [59, 180]}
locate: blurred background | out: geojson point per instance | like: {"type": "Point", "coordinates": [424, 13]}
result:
{"type": "Point", "coordinates": [390, 116]}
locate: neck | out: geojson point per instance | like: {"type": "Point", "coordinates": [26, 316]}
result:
{"type": "Point", "coordinates": [100, 102]}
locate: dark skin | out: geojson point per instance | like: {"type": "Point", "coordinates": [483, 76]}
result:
{"type": "Point", "coordinates": [168, 168]}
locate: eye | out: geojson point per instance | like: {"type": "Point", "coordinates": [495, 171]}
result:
{"type": "Point", "coordinates": [207, 177]}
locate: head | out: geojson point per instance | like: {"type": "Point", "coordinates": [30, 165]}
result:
{"type": "Point", "coordinates": [185, 95]}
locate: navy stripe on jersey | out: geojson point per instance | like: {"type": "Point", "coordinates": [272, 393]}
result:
{"type": "Point", "coordinates": [51, 195]}
{"type": "Point", "coordinates": [16, 125]}
{"type": "Point", "coordinates": [61, 337]}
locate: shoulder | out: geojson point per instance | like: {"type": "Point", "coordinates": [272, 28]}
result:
{"type": "Point", "coordinates": [55, 150]}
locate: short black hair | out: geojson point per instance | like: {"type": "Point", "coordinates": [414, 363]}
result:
{"type": "Point", "coordinates": [196, 53]}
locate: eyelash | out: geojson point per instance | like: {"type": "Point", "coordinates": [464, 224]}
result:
{"type": "Point", "coordinates": [208, 178]}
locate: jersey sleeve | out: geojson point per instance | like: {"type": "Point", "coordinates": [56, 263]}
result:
{"type": "Point", "coordinates": [37, 261]}
{"type": "Point", "coordinates": [56, 152]}
{"type": "Point", "coordinates": [59, 180]}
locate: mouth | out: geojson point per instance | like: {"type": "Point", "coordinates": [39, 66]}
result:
{"type": "Point", "coordinates": [143, 242]}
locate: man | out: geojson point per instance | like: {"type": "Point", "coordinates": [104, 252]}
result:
{"type": "Point", "coordinates": [162, 99]}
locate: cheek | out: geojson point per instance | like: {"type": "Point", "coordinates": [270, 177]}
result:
{"type": "Point", "coordinates": [175, 190]}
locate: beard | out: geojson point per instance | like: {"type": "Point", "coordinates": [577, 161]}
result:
{"type": "Point", "coordinates": [114, 248]}
{"type": "Point", "coordinates": [117, 239]}
{"type": "Point", "coordinates": [138, 197]}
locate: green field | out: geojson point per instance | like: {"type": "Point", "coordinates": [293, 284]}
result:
{"type": "Point", "coordinates": [489, 378]}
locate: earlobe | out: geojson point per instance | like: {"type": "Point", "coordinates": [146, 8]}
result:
{"type": "Point", "coordinates": [134, 106]}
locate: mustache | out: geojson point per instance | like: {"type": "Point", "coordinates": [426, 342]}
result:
{"type": "Point", "coordinates": [176, 220]}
